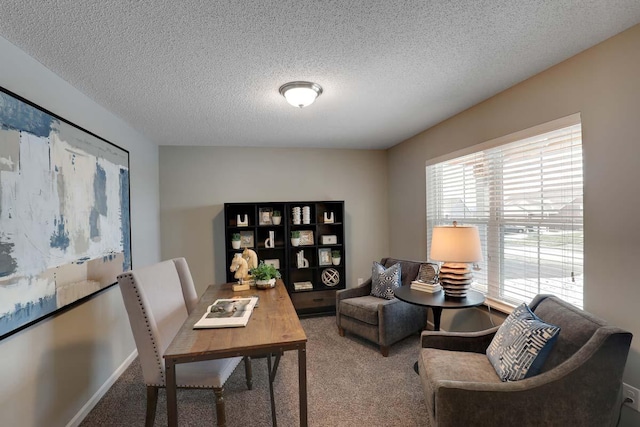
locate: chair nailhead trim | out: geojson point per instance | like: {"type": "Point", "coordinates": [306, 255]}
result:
{"type": "Point", "coordinates": [131, 282]}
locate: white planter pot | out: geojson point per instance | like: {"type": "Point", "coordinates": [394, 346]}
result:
{"type": "Point", "coordinates": [265, 284]}
{"type": "Point", "coordinates": [335, 261]}
{"type": "Point", "coordinates": [235, 244]}
{"type": "Point", "coordinates": [295, 241]}
{"type": "Point", "coordinates": [276, 220]}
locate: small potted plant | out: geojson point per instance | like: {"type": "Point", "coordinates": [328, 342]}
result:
{"type": "Point", "coordinates": [276, 217]}
{"type": "Point", "coordinates": [335, 257]}
{"type": "Point", "coordinates": [295, 238]}
{"type": "Point", "coordinates": [265, 275]}
{"type": "Point", "coordinates": [235, 240]}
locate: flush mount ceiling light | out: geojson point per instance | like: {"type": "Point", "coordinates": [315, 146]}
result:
{"type": "Point", "coordinates": [300, 94]}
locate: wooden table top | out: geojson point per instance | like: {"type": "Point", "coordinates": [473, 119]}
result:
{"type": "Point", "coordinates": [274, 324]}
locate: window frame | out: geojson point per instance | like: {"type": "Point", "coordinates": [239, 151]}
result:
{"type": "Point", "coordinates": [495, 289]}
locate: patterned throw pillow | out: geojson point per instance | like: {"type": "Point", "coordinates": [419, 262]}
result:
{"type": "Point", "coordinates": [521, 345]}
{"type": "Point", "coordinates": [384, 281]}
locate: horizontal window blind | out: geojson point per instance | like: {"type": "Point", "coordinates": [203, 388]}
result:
{"type": "Point", "coordinates": [525, 197]}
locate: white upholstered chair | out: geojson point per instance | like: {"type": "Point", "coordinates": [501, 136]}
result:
{"type": "Point", "coordinates": [158, 299]}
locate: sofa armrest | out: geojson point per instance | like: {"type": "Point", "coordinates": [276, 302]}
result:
{"type": "Point", "coordinates": [476, 342]}
{"type": "Point", "coordinates": [359, 291]}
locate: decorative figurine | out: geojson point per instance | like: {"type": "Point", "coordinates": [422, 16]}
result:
{"type": "Point", "coordinates": [302, 261]}
{"type": "Point", "coordinates": [271, 241]}
{"type": "Point", "coordinates": [328, 218]}
{"type": "Point", "coordinates": [240, 267]}
{"type": "Point", "coordinates": [242, 221]}
{"type": "Point", "coordinates": [251, 257]}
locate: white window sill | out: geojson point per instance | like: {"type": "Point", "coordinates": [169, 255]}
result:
{"type": "Point", "coordinates": [501, 306]}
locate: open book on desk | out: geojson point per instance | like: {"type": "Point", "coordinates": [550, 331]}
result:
{"type": "Point", "coordinates": [227, 313]}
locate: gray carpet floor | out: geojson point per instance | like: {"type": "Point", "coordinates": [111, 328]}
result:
{"type": "Point", "coordinates": [349, 384]}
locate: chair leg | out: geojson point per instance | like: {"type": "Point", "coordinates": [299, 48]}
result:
{"type": "Point", "coordinates": [220, 414]}
{"type": "Point", "coordinates": [152, 403]}
{"type": "Point", "coordinates": [340, 331]}
{"type": "Point", "coordinates": [248, 372]}
{"type": "Point", "coordinates": [384, 350]}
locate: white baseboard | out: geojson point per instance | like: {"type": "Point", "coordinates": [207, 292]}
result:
{"type": "Point", "coordinates": [84, 411]}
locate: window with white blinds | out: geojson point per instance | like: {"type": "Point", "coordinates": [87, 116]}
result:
{"type": "Point", "coordinates": [525, 197]}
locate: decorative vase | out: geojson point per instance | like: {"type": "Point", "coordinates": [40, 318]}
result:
{"type": "Point", "coordinates": [235, 244]}
{"type": "Point", "coordinates": [295, 241]}
{"type": "Point", "coordinates": [335, 261]}
{"type": "Point", "coordinates": [266, 284]}
{"type": "Point", "coordinates": [276, 220]}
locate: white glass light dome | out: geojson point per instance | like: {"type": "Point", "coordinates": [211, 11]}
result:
{"type": "Point", "coordinates": [300, 94]}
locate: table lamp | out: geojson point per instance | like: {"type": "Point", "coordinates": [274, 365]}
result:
{"type": "Point", "coordinates": [456, 246]}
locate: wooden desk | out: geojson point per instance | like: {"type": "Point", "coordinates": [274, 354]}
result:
{"type": "Point", "coordinates": [274, 327]}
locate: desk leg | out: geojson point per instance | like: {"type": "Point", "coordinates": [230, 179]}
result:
{"type": "Point", "coordinates": [302, 384]}
{"type": "Point", "coordinates": [172, 401]}
{"type": "Point", "coordinates": [274, 421]}
{"type": "Point", "coordinates": [437, 314]}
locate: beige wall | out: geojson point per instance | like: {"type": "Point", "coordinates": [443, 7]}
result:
{"type": "Point", "coordinates": [602, 84]}
{"type": "Point", "coordinates": [49, 371]}
{"type": "Point", "coordinates": [195, 182]}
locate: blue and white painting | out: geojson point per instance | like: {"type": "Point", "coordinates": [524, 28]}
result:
{"type": "Point", "coordinates": [64, 213]}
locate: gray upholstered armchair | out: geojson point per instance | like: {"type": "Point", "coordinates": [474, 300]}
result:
{"type": "Point", "coordinates": [377, 319]}
{"type": "Point", "coordinates": [579, 383]}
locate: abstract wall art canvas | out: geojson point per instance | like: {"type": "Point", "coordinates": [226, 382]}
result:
{"type": "Point", "coordinates": [64, 213]}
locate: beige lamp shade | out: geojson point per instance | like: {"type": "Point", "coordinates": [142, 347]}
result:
{"type": "Point", "coordinates": [456, 243]}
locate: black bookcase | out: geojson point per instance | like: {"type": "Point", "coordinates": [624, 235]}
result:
{"type": "Point", "coordinates": [307, 270]}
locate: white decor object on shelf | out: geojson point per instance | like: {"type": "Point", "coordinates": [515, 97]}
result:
{"type": "Point", "coordinates": [306, 215]}
{"type": "Point", "coordinates": [328, 218]}
{"type": "Point", "coordinates": [295, 215]}
{"type": "Point", "coordinates": [270, 242]}
{"type": "Point", "coordinates": [302, 261]}
{"type": "Point", "coordinates": [330, 277]}
{"type": "Point", "coordinates": [303, 286]}
{"type": "Point", "coordinates": [329, 239]}
{"type": "Point", "coordinates": [242, 221]}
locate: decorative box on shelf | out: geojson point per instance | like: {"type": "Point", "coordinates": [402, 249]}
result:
{"type": "Point", "coordinates": [329, 239]}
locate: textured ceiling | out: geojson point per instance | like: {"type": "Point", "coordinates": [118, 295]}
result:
{"type": "Point", "coordinates": [205, 72]}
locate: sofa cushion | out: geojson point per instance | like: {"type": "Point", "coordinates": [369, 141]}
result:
{"type": "Point", "coordinates": [365, 309]}
{"type": "Point", "coordinates": [437, 365]}
{"type": "Point", "coordinates": [409, 268]}
{"type": "Point", "coordinates": [521, 345]}
{"type": "Point", "coordinates": [385, 280]}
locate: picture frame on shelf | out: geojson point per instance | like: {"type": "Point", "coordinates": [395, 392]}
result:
{"type": "Point", "coordinates": [265, 216]}
{"type": "Point", "coordinates": [246, 239]}
{"type": "Point", "coordinates": [324, 256]}
{"type": "Point", "coordinates": [306, 237]}
{"type": "Point", "coordinates": [274, 262]}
